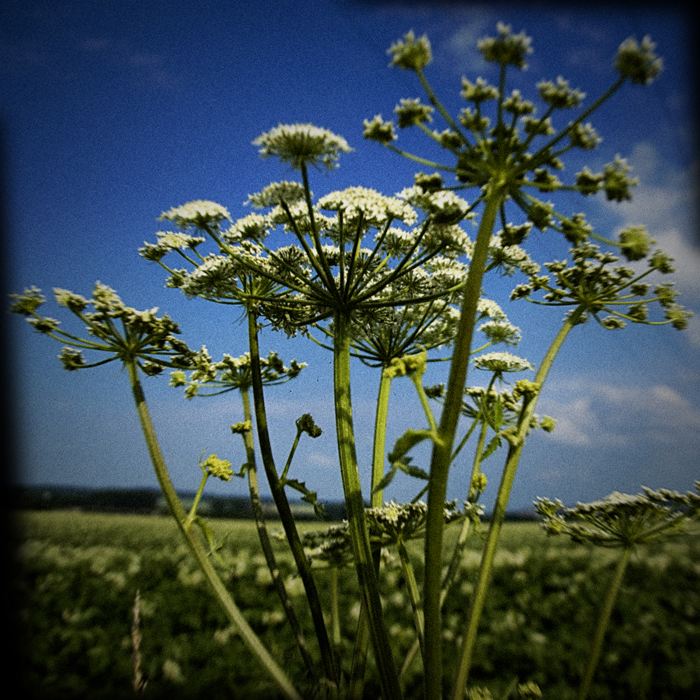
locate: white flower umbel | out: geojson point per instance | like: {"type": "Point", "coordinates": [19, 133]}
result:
{"type": "Point", "coordinates": [501, 362]}
{"type": "Point", "coordinates": [299, 144]}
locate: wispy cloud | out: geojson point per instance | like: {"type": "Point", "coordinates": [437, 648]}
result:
{"type": "Point", "coordinates": [616, 415]}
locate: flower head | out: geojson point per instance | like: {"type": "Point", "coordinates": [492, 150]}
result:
{"type": "Point", "coordinates": [501, 362]}
{"type": "Point", "coordinates": [199, 214]}
{"type": "Point", "coordinates": [411, 53]}
{"type": "Point", "coordinates": [638, 61]}
{"type": "Point", "coordinates": [622, 520]}
{"type": "Point", "coordinates": [302, 144]}
{"type": "Point", "coordinates": [507, 48]}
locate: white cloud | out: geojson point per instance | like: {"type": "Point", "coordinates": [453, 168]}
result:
{"type": "Point", "coordinates": [665, 202]}
{"type": "Point", "coordinates": [607, 415]}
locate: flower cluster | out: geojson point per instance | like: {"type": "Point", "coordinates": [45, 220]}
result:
{"type": "Point", "coordinates": [212, 378]}
{"type": "Point", "coordinates": [622, 520]}
{"type": "Point", "coordinates": [301, 144]}
{"type": "Point", "coordinates": [591, 284]}
{"type": "Point", "coordinates": [501, 142]}
{"type": "Point", "coordinates": [388, 525]}
{"type": "Point", "coordinates": [126, 334]}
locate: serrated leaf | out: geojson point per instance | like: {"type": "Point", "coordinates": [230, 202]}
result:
{"type": "Point", "coordinates": [412, 470]}
{"type": "Point", "coordinates": [307, 495]}
{"type": "Point", "coordinates": [386, 480]}
{"type": "Point", "coordinates": [406, 442]}
{"type": "Point", "coordinates": [493, 445]}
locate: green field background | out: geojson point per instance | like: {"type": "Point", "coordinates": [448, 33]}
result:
{"type": "Point", "coordinates": [76, 577]}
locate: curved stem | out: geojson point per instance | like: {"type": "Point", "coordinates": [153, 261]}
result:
{"type": "Point", "coordinates": [234, 614]}
{"type": "Point", "coordinates": [359, 532]}
{"type": "Point", "coordinates": [499, 511]}
{"type": "Point", "coordinates": [266, 544]}
{"type": "Point", "coordinates": [603, 622]}
{"type": "Point", "coordinates": [442, 449]}
{"type": "Point", "coordinates": [283, 508]}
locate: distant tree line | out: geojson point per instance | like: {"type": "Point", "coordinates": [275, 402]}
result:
{"type": "Point", "coordinates": [150, 501]}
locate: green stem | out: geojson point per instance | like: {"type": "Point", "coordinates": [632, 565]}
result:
{"type": "Point", "coordinates": [357, 669]}
{"type": "Point", "coordinates": [379, 447]}
{"type": "Point", "coordinates": [442, 449]}
{"type": "Point", "coordinates": [359, 532]}
{"type": "Point", "coordinates": [197, 497]}
{"type": "Point", "coordinates": [414, 595]}
{"type": "Point", "coordinates": [266, 544]}
{"type": "Point", "coordinates": [499, 511]}
{"type": "Point", "coordinates": [234, 614]}
{"type": "Point", "coordinates": [284, 509]}
{"type": "Point", "coordinates": [603, 622]}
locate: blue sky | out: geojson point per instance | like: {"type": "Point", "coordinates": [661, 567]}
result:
{"type": "Point", "coordinates": [115, 111]}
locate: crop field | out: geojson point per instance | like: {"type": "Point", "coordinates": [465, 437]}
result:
{"type": "Point", "coordinates": [77, 576]}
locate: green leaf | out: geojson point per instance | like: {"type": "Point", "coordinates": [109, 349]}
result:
{"type": "Point", "coordinates": [493, 445]}
{"type": "Point", "coordinates": [214, 546]}
{"type": "Point", "coordinates": [306, 495]}
{"type": "Point", "coordinates": [408, 441]}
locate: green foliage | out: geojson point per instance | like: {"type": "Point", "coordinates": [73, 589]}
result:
{"type": "Point", "coordinates": [78, 574]}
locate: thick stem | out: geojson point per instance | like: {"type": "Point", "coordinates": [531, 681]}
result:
{"type": "Point", "coordinates": [357, 670]}
{"type": "Point", "coordinates": [266, 544]}
{"type": "Point", "coordinates": [251, 640]}
{"type": "Point", "coordinates": [499, 511]}
{"type": "Point", "coordinates": [379, 447]}
{"type": "Point", "coordinates": [284, 509]}
{"type": "Point", "coordinates": [442, 449]}
{"type": "Point", "coordinates": [359, 532]}
{"type": "Point", "coordinates": [603, 622]}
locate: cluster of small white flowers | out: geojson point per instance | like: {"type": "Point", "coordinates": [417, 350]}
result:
{"type": "Point", "coordinates": [195, 213]}
{"type": "Point", "coordinates": [501, 362]}
{"type": "Point", "coordinates": [436, 202]}
{"type": "Point", "coordinates": [376, 208]}
{"type": "Point", "coordinates": [501, 332]}
{"type": "Point", "coordinates": [487, 308]}
{"type": "Point", "coordinates": [253, 226]}
{"type": "Point", "coordinates": [170, 240]}
{"type": "Point", "coordinates": [276, 192]}
{"type": "Point", "coordinates": [298, 144]}
{"type": "Point", "coordinates": [397, 242]}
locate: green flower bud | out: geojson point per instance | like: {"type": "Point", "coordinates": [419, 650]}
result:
{"type": "Point", "coordinates": [635, 242]}
{"type": "Point", "coordinates": [306, 424]}
{"type": "Point", "coordinates": [241, 428]}
{"type": "Point", "coordinates": [411, 53]}
{"type": "Point", "coordinates": [379, 130]}
{"type": "Point", "coordinates": [72, 359]}
{"type": "Point", "coordinates": [27, 303]}
{"type": "Point", "coordinates": [220, 468]}
{"type": "Point", "coordinates": [412, 112]}
{"type": "Point", "coordinates": [638, 61]}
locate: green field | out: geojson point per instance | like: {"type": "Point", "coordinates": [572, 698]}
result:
{"type": "Point", "coordinates": [78, 573]}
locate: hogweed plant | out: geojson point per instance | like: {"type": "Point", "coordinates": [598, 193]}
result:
{"type": "Point", "coordinates": [396, 282]}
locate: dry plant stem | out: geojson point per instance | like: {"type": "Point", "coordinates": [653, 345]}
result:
{"type": "Point", "coordinates": [499, 511]}
{"type": "Point", "coordinates": [266, 544]}
{"type": "Point", "coordinates": [603, 622]}
{"type": "Point", "coordinates": [251, 640]}
{"type": "Point", "coordinates": [442, 449]}
{"type": "Point", "coordinates": [359, 532]}
{"type": "Point", "coordinates": [284, 509]}
{"type": "Point", "coordinates": [139, 680]}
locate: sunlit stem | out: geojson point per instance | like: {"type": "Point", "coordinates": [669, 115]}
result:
{"type": "Point", "coordinates": [379, 447]}
{"type": "Point", "coordinates": [232, 611]}
{"type": "Point", "coordinates": [603, 622]}
{"type": "Point", "coordinates": [283, 508]}
{"type": "Point", "coordinates": [266, 544]}
{"type": "Point", "coordinates": [499, 510]}
{"type": "Point", "coordinates": [197, 498]}
{"type": "Point", "coordinates": [357, 669]}
{"type": "Point", "coordinates": [442, 449]}
{"type": "Point", "coordinates": [359, 532]}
